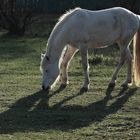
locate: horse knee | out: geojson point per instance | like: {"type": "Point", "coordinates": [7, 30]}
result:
{"type": "Point", "coordinates": [63, 64]}
{"type": "Point", "coordinates": [128, 56]}
{"type": "Point", "coordinates": [129, 60]}
{"type": "Point", "coordinates": [85, 67]}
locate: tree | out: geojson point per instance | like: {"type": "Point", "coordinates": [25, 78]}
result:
{"type": "Point", "coordinates": [129, 4]}
{"type": "Point", "coordinates": [14, 16]}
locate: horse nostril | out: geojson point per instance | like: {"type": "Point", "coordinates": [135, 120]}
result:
{"type": "Point", "coordinates": [43, 87]}
{"type": "Point", "coordinates": [46, 89]}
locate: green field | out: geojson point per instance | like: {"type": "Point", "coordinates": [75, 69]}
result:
{"type": "Point", "coordinates": [28, 113]}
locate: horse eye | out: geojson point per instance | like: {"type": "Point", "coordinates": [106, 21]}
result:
{"type": "Point", "coordinates": [46, 71]}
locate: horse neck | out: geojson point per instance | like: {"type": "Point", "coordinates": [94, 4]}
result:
{"type": "Point", "coordinates": [54, 51]}
{"type": "Point", "coordinates": [56, 44]}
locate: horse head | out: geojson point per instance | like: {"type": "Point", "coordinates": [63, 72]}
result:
{"type": "Point", "coordinates": [50, 72]}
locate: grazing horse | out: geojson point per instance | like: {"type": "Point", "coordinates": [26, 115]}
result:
{"type": "Point", "coordinates": [80, 29]}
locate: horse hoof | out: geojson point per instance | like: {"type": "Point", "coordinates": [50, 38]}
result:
{"type": "Point", "coordinates": [62, 86]}
{"type": "Point", "coordinates": [46, 89]}
{"type": "Point", "coordinates": [124, 86]}
{"type": "Point", "coordinates": [84, 89]}
{"type": "Point", "coordinates": [111, 85]}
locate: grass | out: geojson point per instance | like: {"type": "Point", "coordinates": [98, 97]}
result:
{"type": "Point", "coordinates": [27, 113]}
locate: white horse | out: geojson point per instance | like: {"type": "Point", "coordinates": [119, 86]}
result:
{"type": "Point", "coordinates": [80, 29]}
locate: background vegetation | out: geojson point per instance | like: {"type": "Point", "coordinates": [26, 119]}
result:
{"type": "Point", "coordinates": [26, 112]}
{"type": "Point", "coordinates": [59, 6]}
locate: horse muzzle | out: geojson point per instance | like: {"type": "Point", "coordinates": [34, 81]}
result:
{"type": "Point", "coordinates": [45, 88]}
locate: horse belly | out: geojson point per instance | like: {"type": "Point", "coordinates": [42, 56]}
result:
{"type": "Point", "coordinates": [103, 39]}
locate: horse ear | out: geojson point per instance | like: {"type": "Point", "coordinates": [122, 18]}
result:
{"type": "Point", "coordinates": [42, 56]}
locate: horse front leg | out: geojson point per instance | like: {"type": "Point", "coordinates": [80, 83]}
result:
{"type": "Point", "coordinates": [85, 65]}
{"type": "Point", "coordinates": [65, 64]}
{"type": "Point", "coordinates": [120, 64]}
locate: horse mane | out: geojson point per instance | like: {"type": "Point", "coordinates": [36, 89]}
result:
{"type": "Point", "coordinates": [65, 17]}
{"type": "Point", "coordinates": [59, 25]}
{"type": "Point", "coordinates": [69, 12]}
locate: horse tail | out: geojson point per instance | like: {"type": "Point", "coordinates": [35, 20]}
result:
{"type": "Point", "coordinates": [136, 52]}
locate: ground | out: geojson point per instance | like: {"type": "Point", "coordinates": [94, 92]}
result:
{"type": "Point", "coordinates": [26, 112]}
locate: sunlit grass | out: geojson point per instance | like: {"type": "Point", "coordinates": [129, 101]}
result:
{"type": "Point", "coordinates": [28, 113]}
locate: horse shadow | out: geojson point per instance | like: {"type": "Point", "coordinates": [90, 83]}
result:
{"type": "Point", "coordinates": [33, 113]}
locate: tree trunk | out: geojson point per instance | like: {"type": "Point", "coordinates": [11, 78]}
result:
{"type": "Point", "coordinates": [15, 19]}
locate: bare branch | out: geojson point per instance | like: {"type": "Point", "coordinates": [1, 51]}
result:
{"type": "Point", "coordinates": [15, 19]}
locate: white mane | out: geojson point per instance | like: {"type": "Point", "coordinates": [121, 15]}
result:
{"type": "Point", "coordinates": [68, 13]}
{"type": "Point", "coordinates": [57, 28]}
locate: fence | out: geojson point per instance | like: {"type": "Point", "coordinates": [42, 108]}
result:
{"type": "Point", "coordinates": [59, 6]}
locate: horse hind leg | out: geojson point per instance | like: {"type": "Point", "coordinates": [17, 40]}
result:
{"type": "Point", "coordinates": [65, 64]}
{"type": "Point", "coordinates": [85, 65]}
{"type": "Point", "coordinates": [129, 70]}
{"type": "Point", "coordinates": [120, 64]}
{"type": "Point", "coordinates": [125, 57]}
{"type": "Point", "coordinates": [124, 46]}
